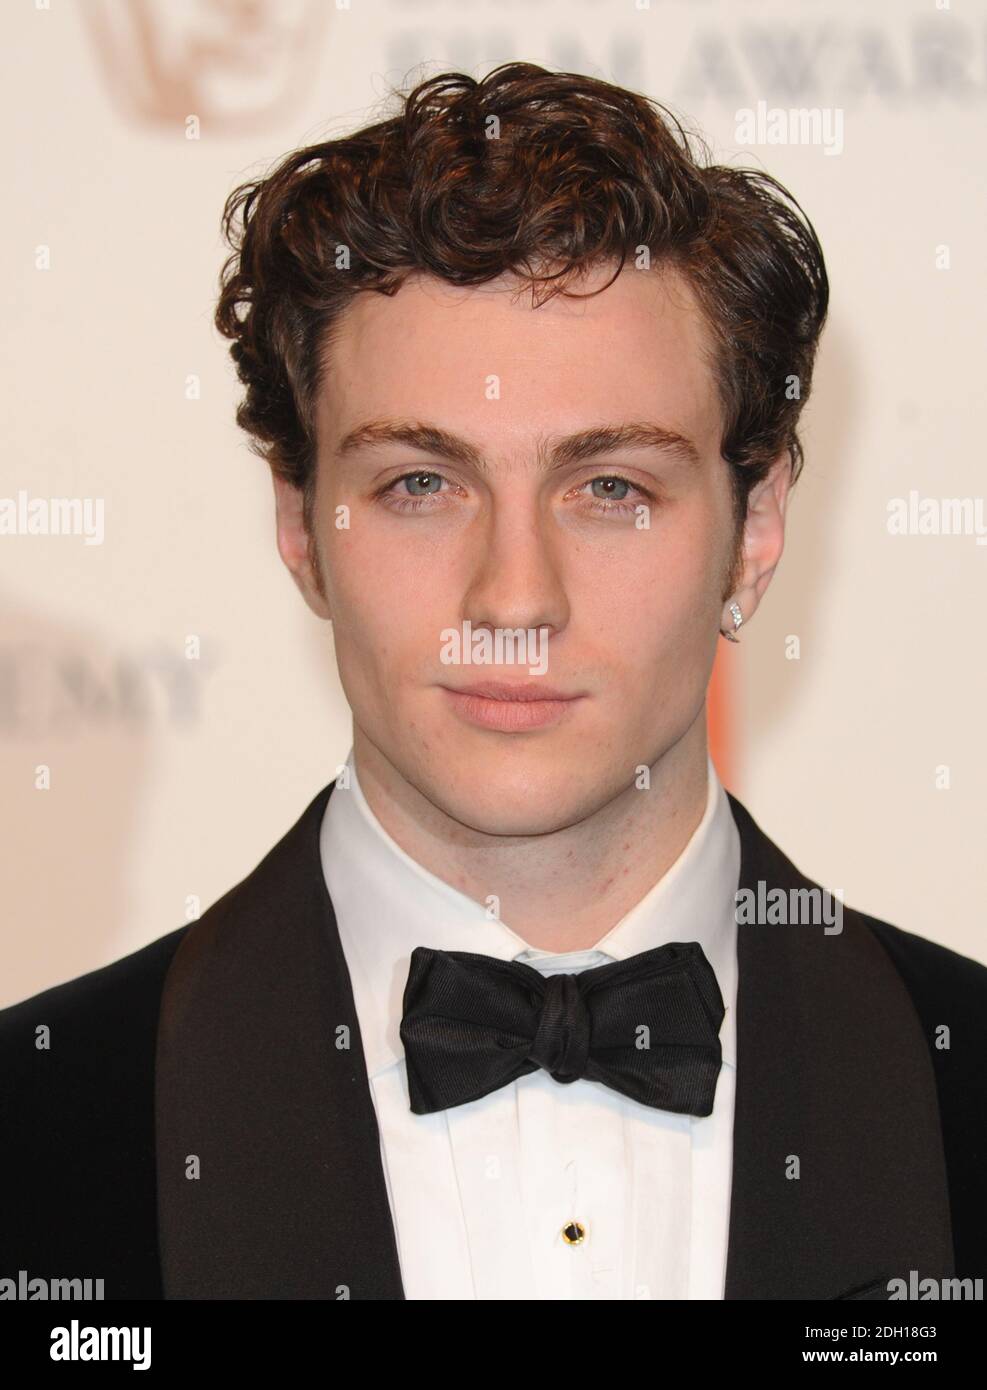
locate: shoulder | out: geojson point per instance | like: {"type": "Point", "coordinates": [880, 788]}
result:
{"type": "Point", "coordinates": [82, 1053]}
{"type": "Point", "coordinates": [77, 1166]}
{"type": "Point", "coordinates": [948, 992]}
{"type": "Point", "coordinates": [949, 995]}
{"type": "Point", "coordinates": [106, 1004]}
{"type": "Point", "coordinates": [96, 1014]}
{"type": "Point", "coordinates": [939, 979]}
{"type": "Point", "coordinates": [933, 974]}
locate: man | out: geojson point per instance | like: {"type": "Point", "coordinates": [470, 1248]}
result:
{"type": "Point", "coordinates": [525, 1005]}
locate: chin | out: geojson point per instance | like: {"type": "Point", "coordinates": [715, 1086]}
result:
{"type": "Point", "coordinates": [495, 797]}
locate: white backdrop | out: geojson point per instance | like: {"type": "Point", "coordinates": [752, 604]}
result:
{"type": "Point", "coordinates": [864, 758]}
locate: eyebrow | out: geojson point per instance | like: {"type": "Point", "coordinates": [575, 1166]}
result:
{"type": "Point", "coordinates": [571, 448]}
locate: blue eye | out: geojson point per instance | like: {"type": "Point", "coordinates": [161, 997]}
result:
{"type": "Point", "coordinates": [422, 477]}
{"type": "Point", "coordinates": [609, 482]}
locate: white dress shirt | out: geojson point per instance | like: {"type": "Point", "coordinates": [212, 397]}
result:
{"type": "Point", "coordinates": [480, 1193]}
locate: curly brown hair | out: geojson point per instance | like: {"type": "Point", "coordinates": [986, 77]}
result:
{"type": "Point", "coordinates": [543, 174]}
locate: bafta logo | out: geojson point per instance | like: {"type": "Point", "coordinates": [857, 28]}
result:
{"type": "Point", "coordinates": [233, 65]}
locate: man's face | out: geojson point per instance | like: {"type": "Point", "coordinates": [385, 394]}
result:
{"type": "Point", "coordinates": [510, 523]}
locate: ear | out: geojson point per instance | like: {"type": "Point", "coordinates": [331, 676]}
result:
{"type": "Point", "coordinates": [297, 548]}
{"type": "Point", "coordinates": [763, 540]}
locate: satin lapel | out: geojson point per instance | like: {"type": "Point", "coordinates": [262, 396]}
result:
{"type": "Point", "coordinates": [832, 1070]}
{"type": "Point", "coordinates": [262, 1091]}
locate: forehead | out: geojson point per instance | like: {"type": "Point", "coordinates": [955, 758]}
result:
{"type": "Point", "coordinates": [484, 362]}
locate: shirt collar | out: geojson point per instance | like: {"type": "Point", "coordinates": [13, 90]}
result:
{"type": "Point", "coordinates": [386, 904]}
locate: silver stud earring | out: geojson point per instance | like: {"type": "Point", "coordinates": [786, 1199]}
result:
{"type": "Point", "coordinates": [738, 618]}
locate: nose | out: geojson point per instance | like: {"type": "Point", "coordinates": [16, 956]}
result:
{"type": "Point", "coordinates": [517, 579]}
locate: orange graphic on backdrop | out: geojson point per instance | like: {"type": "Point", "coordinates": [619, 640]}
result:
{"type": "Point", "coordinates": [721, 708]}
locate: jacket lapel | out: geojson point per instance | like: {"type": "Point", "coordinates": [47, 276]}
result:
{"type": "Point", "coordinates": [832, 1070]}
{"type": "Point", "coordinates": [270, 1180]}
{"type": "Point", "coordinates": [262, 1096]}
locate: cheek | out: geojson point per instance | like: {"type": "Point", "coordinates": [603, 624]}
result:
{"type": "Point", "coordinates": [659, 587]}
{"type": "Point", "coordinates": [387, 602]}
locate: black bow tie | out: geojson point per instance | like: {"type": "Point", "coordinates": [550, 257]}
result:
{"type": "Point", "coordinates": [647, 1026]}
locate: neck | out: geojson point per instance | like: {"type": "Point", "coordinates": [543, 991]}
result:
{"type": "Point", "coordinates": [565, 890]}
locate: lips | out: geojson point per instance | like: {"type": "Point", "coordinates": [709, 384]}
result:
{"type": "Point", "coordinates": [505, 690]}
{"type": "Point", "coordinates": [511, 708]}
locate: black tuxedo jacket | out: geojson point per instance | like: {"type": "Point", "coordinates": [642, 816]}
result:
{"type": "Point", "coordinates": [219, 1045]}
